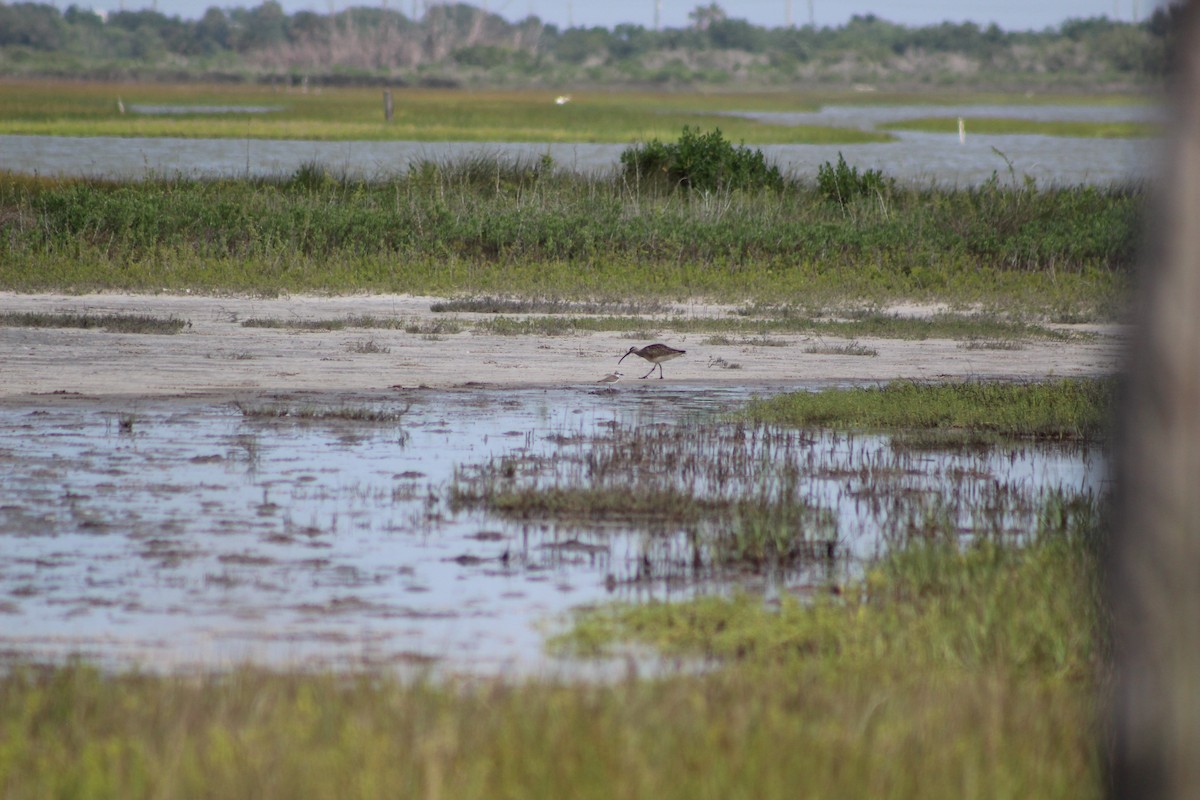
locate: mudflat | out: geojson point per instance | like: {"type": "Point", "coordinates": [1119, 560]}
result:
{"type": "Point", "coordinates": [215, 354]}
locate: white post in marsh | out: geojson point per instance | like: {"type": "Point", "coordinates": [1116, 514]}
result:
{"type": "Point", "coordinates": [1154, 557]}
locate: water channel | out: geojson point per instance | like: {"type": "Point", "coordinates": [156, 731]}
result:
{"type": "Point", "coordinates": [915, 157]}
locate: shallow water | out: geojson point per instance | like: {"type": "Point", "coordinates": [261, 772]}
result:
{"type": "Point", "coordinates": [914, 157]}
{"type": "Point", "coordinates": [178, 533]}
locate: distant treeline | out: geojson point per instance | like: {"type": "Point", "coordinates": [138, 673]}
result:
{"type": "Point", "coordinates": [459, 43]}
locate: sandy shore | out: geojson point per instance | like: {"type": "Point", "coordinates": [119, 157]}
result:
{"type": "Point", "coordinates": [217, 355]}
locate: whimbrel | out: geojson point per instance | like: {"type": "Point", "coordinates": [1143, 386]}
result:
{"type": "Point", "coordinates": [655, 354]}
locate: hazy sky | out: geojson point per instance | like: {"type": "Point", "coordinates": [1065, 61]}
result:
{"type": "Point", "coordinates": [1011, 15]}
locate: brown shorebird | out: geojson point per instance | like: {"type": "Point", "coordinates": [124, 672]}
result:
{"type": "Point", "coordinates": [655, 354]}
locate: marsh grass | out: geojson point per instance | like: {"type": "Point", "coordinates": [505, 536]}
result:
{"type": "Point", "coordinates": [573, 237]}
{"type": "Point", "coordinates": [351, 114]}
{"type": "Point", "coordinates": [296, 324]}
{"type": "Point", "coordinates": [368, 347]}
{"type": "Point", "coordinates": [113, 323]}
{"type": "Point", "coordinates": [942, 325]}
{"type": "Point", "coordinates": [532, 326]}
{"type": "Point", "coordinates": [734, 490]}
{"type": "Point", "coordinates": [414, 326]}
{"type": "Point", "coordinates": [853, 348]}
{"type": "Point", "coordinates": [991, 344]}
{"type": "Point", "coordinates": [726, 532]}
{"type": "Point", "coordinates": [546, 305]}
{"type": "Point", "coordinates": [315, 413]}
{"type": "Point", "coordinates": [721, 340]}
{"type": "Point", "coordinates": [740, 330]}
{"type": "Point", "coordinates": [1065, 409]}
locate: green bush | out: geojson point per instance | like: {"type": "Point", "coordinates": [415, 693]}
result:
{"type": "Point", "coordinates": [704, 161]}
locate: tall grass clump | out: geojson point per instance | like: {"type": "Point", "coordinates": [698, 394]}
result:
{"type": "Point", "coordinates": [483, 172]}
{"type": "Point", "coordinates": [842, 183]}
{"type": "Point", "coordinates": [703, 161]}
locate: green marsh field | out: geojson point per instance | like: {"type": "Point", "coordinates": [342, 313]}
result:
{"type": "Point", "coordinates": [76, 108]}
{"type": "Point", "coordinates": [963, 660]}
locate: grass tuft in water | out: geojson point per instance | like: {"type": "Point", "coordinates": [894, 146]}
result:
{"type": "Point", "coordinates": [310, 413]}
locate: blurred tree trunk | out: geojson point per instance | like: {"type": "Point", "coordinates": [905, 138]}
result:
{"type": "Point", "coordinates": [1154, 560]}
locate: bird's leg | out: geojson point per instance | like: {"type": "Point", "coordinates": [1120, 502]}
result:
{"type": "Point", "coordinates": [648, 374]}
{"type": "Point", "coordinates": [659, 365]}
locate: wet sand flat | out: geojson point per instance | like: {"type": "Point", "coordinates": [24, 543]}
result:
{"type": "Point", "coordinates": [217, 355]}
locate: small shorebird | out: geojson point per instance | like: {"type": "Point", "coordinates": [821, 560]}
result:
{"type": "Point", "coordinates": [611, 377]}
{"type": "Point", "coordinates": [655, 354]}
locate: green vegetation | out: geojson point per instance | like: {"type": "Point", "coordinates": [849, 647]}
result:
{"type": "Point", "coordinates": [1067, 409]}
{"type": "Point", "coordinates": [490, 226]}
{"type": "Point", "coordinates": [843, 184]}
{"type": "Point", "coordinates": [702, 161]}
{"type": "Point", "coordinates": [113, 323]}
{"type": "Point", "coordinates": [1001, 125]}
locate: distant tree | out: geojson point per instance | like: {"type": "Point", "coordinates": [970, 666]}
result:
{"type": "Point", "coordinates": [871, 37]}
{"type": "Point", "coordinates": [576, 45]}
{"type": "Point", "coordinates": [211, 34]}
{"type": "Point", "coordinates": [482, 55]}
{"type": "Point", "coordinates": [736, 34]}
{"type": "Point", "coordinates": [308, 26]}
{"type": "Point", "coordinates": [82, 18]}
{"type": "Point", "coordinates": [703, 17]}
{"type": "Point", "coordinates": [259, 28]}
{"type": "Point", "coordinates": [1079, 29]}
{"type": "Point", "coordinates": [630, 41]}
{"type": "Point", "coordinates": [33, 25]}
